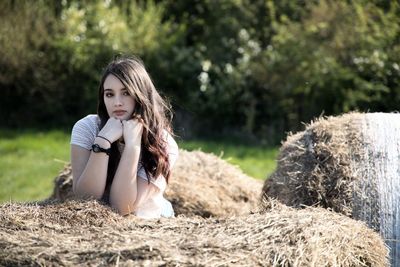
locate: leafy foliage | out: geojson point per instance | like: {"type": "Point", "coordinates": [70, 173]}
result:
{"type": "Point", "coordinates": [237, 67]}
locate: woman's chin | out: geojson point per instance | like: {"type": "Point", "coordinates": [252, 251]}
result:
{"type": "Point", "coordinates": [123, 117]}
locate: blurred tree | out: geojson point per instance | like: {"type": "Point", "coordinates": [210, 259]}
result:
{"type": "Point", "coordinates": [54, 56]}
{"type": "Point", "coordinates": [25, 81]}
{"type": "Point", "coordinates": [238, 67]}
{"type": "Point", "coordinates": [334, 60]}
{"type": "Point", "coordinates": [225, 37]}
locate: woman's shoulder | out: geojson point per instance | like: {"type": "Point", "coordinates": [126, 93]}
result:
{"type": "Point", "coordinates": [85, 130]}
{"type": "Point", "coordinates": [91, 119]}
{"type": "Point", "coordinates": [169, 139]}
{"type": "Point", "coordinates": [172, 147]}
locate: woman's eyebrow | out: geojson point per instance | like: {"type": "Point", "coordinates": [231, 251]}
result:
{"type": "Point", "coordinates": [122, 89]}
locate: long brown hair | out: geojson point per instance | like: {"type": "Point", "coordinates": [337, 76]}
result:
{"type": "Point", "coordinates": [152, 110]}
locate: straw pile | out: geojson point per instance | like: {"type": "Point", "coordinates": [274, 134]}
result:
{"type": "Point", "coordinates": [350, 164]}
{"type": "Point", "coordinates": [205, 185]}
{"type": "Point", "coordinates": [201, 184]}
{"type": "Point", "coordinates": [315, 166]}
{"type": "Point", "coordinates": [88, 233]}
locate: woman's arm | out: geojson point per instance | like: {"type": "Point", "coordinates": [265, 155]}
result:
{"type": "Point", "coordinates": [127, 198]}
{"type": "Point", "coordinates": [128, 191]}
{"type": "Point", "coordinates": [89, 169]}
{"type": "Point", "coordinates": [124, 189]}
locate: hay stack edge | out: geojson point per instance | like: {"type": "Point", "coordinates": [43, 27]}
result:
{"type": "Point", "coordinates": [74, 233]}
{"type": "Point", "coordinates": [349, 164]}
{"type": "Point", "coordinates": [221, 222]}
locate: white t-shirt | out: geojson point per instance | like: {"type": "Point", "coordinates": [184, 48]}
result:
{"type": "Point", "coordinates": [83, 134]}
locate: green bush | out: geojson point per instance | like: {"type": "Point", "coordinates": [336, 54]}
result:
{"type": "Point", "coordinates": [251, 69]}
{"type": "Point", "coordinates": [57, 81]}
{"type": "Point", "coordinates": [339, 57]}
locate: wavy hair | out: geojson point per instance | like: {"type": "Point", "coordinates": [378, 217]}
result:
{"type": "Point", "coordinates": [150, 108]}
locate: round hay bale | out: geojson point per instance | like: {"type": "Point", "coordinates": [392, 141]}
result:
{"type": "Point", "coordinates": [314, 166]}
{"type": "Point", "coordinates": [41, 235]}
{"type": "Point", "coordinates": [201, 184]}
{"type": "Point", "coordinates": [350, 164]}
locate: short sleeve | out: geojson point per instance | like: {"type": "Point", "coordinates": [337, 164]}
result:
{"type": "Point", "coordinates": [173, 152]}
{"type": "Point", "coordinates": [84, 132]}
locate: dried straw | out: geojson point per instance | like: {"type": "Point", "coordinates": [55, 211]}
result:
{"type": "Point", "coordinates": [90, 234]}
{"type": "Point", "coordinates": [314, 166]}
{"type": "Point", "coordinates": [205, 185]}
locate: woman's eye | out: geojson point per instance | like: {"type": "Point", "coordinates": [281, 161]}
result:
{"type": "Point", "coordinates": [108, 94]}
{"type": "Point", "coordinates": [126, 93]}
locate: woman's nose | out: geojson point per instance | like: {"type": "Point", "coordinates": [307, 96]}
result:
{"type": "Point", "coordinates": [118, 101]}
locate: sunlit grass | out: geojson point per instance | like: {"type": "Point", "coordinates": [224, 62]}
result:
{"type": "Point", "coordinates": [30, 160]}
{"type": "Point", "coordinates": [255, 161]}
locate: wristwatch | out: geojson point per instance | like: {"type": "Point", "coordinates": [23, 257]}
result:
{"type": "Point", "coordinates": [98, 149]}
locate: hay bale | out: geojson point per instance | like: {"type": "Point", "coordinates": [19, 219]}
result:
{"type": "Point", "coordinates": [40, 234]}
{"type": "Point", "coordinates": [349, 164]}
{"type": "Point", "coordinates": [314, 166]}
{"type": "Point", "coordinates": [205, 185]}
{"type": "Point", "coordinates": [201, 184]}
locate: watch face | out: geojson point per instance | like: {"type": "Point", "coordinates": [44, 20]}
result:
{"type": "Point", "coordinates": [96, 148]}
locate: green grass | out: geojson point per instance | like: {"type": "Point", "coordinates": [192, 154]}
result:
{"type": "Point", "coordinates": [30, 160]}
{"type": "Point", "coordinates": [255, 161]}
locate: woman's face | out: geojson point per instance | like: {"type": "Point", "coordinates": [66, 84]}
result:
{"type": "Point", "coordinates": [119, 103]}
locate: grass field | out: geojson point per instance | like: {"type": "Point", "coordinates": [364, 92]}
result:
{"type": "Point", "coordinates": [30, 160]}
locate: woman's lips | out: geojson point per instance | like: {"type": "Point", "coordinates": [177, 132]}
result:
{"type": "Point", "coordinates": [119, 112]}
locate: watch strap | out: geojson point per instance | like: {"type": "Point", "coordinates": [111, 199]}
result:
{"type": "Point", "coordinates": [98, 149]}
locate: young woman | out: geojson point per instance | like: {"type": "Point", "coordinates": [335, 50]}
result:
{"type": "Point", "coordinates": [124, 154]}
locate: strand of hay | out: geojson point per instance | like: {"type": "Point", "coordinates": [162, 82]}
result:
{"type": "Point", "coordinates": [201, 184]}
{"type": "Point", "coordinates": [349, 164]}
{"type": "Point", "coordinates": [41, 235]}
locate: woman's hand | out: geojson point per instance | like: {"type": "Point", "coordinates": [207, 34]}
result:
{"type": "Point", "coordinates": [112, 130]}
{"type": "Point", "coordinates": [132, 132]}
